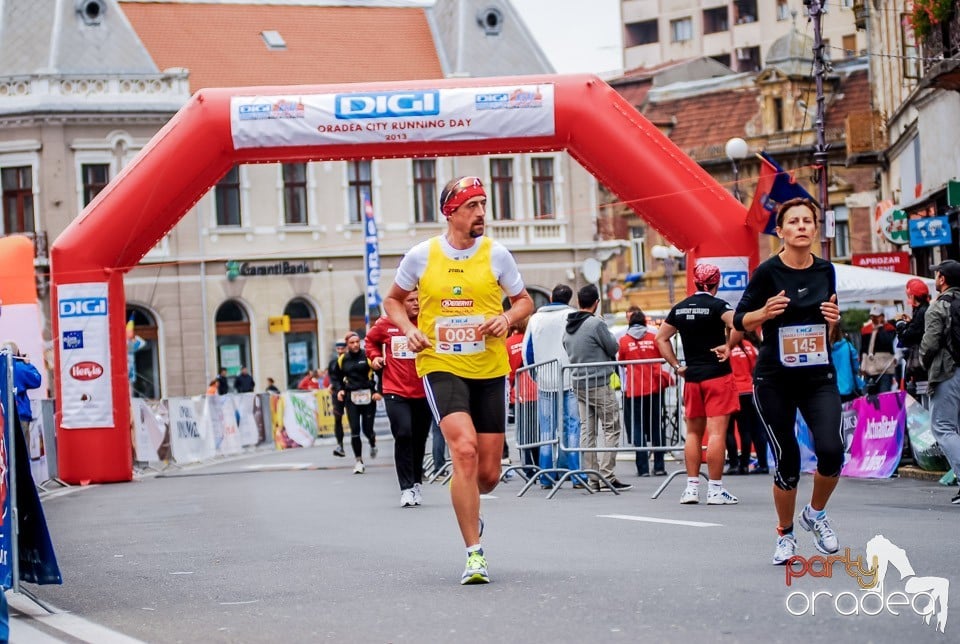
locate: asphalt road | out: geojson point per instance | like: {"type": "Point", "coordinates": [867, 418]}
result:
{"type": "Point", "coordinates": [292, 547]}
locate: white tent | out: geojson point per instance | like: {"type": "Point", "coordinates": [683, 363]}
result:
{"type": "Point", "coordinates": [858, 284]}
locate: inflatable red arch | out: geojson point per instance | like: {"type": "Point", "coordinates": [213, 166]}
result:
{"type": "Point", "coordinates": [218, 128]}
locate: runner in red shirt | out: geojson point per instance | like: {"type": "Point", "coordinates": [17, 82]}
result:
{"type": "Point", "coordinates": [406, 402]}
{"type": "Point", "coordinates": [743, 358]}
{"type": "Point", "coordinates": [523, 390]}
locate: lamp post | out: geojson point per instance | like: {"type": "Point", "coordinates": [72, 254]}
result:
{"type": "Point", "coordinates": [668, 255]}
{"type": "Point", "coordinates": [737, 150]}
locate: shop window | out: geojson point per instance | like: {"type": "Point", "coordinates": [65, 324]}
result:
{"type": "Point", "coordinates": [300, 343]}
{"type": "Point", "coordinates": [358, 315]}
{"type": "Point", "coordinates": [143, 355]}
{"type": "Point", "coordinates": [233, 339]}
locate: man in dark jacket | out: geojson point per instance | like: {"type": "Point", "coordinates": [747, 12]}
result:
{"type": "Point", "coordinates": [359, 394]}
{"type": "Point", "coordinates": [25, 377]}
{"type": "Point", "coordinates": [223, 388]}
{"type": "Point", "coordinates": [587, 339]}
{"type": "Point", "coordinates": [243, 383]}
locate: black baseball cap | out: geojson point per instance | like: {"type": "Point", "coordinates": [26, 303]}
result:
{"type": "Point", "coordinates": [950, 269]}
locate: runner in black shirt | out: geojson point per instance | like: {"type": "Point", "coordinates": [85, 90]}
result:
{"type": "Point", "coordinates": [709, 392]}
{"type": "Point", "coordinates": [793, 296]}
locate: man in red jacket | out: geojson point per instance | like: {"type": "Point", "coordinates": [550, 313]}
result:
{"type": "Point", "coordinates": [643, 386]}
{"type": "Point", "coordinates": [406, 401]}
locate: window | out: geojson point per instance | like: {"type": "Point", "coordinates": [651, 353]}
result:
{"type": "Point", "coordinates": [295, 194]}
{"type": "Point", "coordinates": [681, 30]}
{"type": "Point", "coordinates": [778, 114]}
{"type": "Point", "coordinates": [748, 59]}
{"type": "Point", "coordinates": [850, 46]}
{"type": "Point", "coordinates": [846, 4]}
{"type": "Point", "coordinates": [641, 33]}
{"type": "Point", "coordinates": [17, 199]}
{"type": "Point", "coordinates": [95, 177]}
{"type": "Point", "coordinates": [715, 20]}
{"type": "Point", "coordinates": [783, 10]}
{"type": "Point", "coordinates": [542, 175]}
{"type": "Point", "coordinates": [359, 181]}
{"type": "Point", "coordinates": [745, 11]}
{"type": "Point", "coordinates": [908, 44]}
{"type": "Point", "coordinates": [227, 197]}
{"type": "Point", "coordinates": [841, 242]}
{"type": "Point", "coordinates": [425, 191]}
{"type": "Point", "coordinates": [501, 188]}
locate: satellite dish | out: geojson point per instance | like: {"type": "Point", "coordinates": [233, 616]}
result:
{"type": "Point", "coordinates": [591, 270]}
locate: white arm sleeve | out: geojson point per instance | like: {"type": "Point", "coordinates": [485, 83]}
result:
{"type": "Point", "coordinates": [505, 269]}
{"type": "Point", "coordinates": [412, 266]}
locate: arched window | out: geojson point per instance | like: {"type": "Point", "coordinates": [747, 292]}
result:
{"type": "Point", "coordinates": [233, 338]}
{"type": "Point", "coordinates": [143, 356]}
{"type": "Point", "coordinates": [300, 343]}
{"type": "Point", "coordinates": [538, 295]}
{"type": "Point", "coordinates": [358, 315]}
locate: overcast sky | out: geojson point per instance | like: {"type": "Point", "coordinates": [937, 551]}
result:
{"type": "Point", "coordinates": [576, 35]}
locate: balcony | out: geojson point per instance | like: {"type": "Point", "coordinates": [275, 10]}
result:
{"type": "Point", "coordinates": [941, 55]}
{"type": "Point", "coordinates": [519, 234]}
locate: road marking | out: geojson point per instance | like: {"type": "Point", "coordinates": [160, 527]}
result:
{"type": "Point", "coordinates": [279, 466]}
{"type": "Point", "coordinates": [249, 601]}
{"type": "Point", "coordinates": [692, 524]}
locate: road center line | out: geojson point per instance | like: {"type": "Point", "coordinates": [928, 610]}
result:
{"type": "Point", "coordinates": [692, 524]}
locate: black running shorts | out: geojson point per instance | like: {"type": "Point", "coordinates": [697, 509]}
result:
{"type": "Point", "coordinates": [484, 399]}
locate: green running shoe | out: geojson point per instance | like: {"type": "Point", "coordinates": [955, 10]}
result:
{"type": "Point", "coordinates": [476, 570]}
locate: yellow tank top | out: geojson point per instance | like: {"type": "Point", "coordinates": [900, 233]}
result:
{"type": "Point", "coordinates": [456, 296]}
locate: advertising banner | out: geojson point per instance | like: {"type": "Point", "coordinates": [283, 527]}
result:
{"type": "Point", "coordinates": [734, 274]}
{"type": "Point", "coordinates": [246, 421]}
{"type": "Point", "coordinates": [87, 398]}
{"type": "Point", "coordinates": [6, 528]}
{"type": "Point", "coordinates": [35, 443]}
{"type": "Point", "coordinates": [458, 114]}
{"type": "Point", "coordinates": [147, 431]}
{"type": "Point", "coordinates": [188, 443]}
{"type": "Point", "coordinates": [220, 420]}
{"type": "Point", "coordinates": [300, 417]}
{"type": "Point", "coordinates": [897, 262]}
{"type": "Point", "coordinates": [877, 443]}
{"type": "Point", "coordinates": [930, 231]}
{"type": "Point", "coordinates": [371, 257]}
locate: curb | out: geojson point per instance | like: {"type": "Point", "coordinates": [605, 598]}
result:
{"type": "Point", "coordinates": [914, 472]}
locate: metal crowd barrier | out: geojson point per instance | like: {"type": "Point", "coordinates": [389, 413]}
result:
{"type": "Point", "coordinates": [603, 408]}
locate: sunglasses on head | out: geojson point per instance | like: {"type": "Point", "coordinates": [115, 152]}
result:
{"type": "Point", "coordinates": [462, 184]}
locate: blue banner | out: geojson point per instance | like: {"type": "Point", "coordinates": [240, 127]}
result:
{"type": "Point", "coordinates": [371, 256]}
{"type": "Point", "coordinates": [929, 231]}
{"type": "Point", "coordinates": [6, 545]}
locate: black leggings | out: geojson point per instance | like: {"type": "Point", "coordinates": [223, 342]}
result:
{"type": "Point", "coordinates": [410, 420]}
{"type": "Point", "coordinates": [751, 434]}
{"type": "Point", "coordinates": [360, 417]}
{"type": "Point", "coordinates": [819, 401]}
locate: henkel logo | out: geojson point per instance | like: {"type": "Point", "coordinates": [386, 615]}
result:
{"type": "Point", "coordinates": [86, 370]}
{"type": "Point", "coordinates": [923, 596]}
{"type": "Point", "coordinates": [83, 306]}
{"type": "Point", "coordinates": [387, 105]}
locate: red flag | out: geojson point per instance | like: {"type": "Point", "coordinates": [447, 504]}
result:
{"type": "Point", "coordinates": [758, 215]}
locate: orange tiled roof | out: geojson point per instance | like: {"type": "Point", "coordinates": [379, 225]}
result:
{"type": "Point", "coordinates": [707, 118]}
{"type": "Point", "coordinates": [222, 47]}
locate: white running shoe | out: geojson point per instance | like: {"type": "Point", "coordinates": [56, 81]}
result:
{"type": "Point", "coordinates": [373, 451]}
{"type": "Point", "coordinates": [407, 498]}
{"type": "Point", "coordinates": [417, 494]}
{"type": "Point", "coordinates": [721, 498]}
{"type": "Point", "coordinates": [690, 495]}
{"type": "Point", "coordinates": [824, 538]}
{"type": "Point", "coordinates": [786, 548]}
{"type": "Point", "coordinates": [359, 468]}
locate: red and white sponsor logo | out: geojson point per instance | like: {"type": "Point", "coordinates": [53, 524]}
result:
{"type": "Point", "coordinates": [455, 304]}
{"type": "Point", "coordinates": [86, 371]}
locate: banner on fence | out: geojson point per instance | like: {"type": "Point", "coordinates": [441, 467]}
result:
{"type": "Point", "coordinates": [36, 445]}
{"type": "Point", "coordinates": [148, 431]}
{"type": "Point", "coordinates": [188, 442]}
{"type": "Point", "coordinates": [220, 420]}
{"type": "Point", "coordinates": [244, 405]}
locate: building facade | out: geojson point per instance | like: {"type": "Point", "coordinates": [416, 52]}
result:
{"type": "Point", "coordinates": [271, 239]}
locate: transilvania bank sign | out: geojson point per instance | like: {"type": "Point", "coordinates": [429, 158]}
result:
{"type": "Point", "coordinates": [237, 269]}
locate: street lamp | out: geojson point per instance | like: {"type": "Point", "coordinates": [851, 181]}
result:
{"type": "Point", "coordinates": [737, 150]}
{"type": "Point", "coordinates": [668, 255]}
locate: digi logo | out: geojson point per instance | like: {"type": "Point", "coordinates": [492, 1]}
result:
{"type": "Point", "coordinates": [733, 281]}
{"type": "Point", "coordinates": [83, 306]}
{"type": "Point", "coordinates": [387, 105]}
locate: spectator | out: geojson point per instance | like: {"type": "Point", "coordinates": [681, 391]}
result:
{"type": "Point", "coordinates": [523, 389]}
{"type": "Point", "coordinates": [543, 342]}
{"type": "Point", "coordinates": [743, 359]}
{"type": "Point", "coordinates": [213, 387]}
{"type": "Point", "coordinates": [309, 381]}
{"type": "Point", "coordinates": [25, 377]}
{"type": "Point", "coordinates": [223, 387]}
{"type": "Point", "coordinates": [877, 360]}
{"type": "Point", "coordinates": [910, 333]}
{"type": "Point", "coordinates": [243, 383]}
{"type": "Point", "coordinates": [336, 403]}
{"type": "Point", "coordinates": [587, 339]}
{"type": "Point", "coordinates": [643, 386]}
{"type": "Point", "coordinates": [941, 365]}
{"type": "Point", "coordinates": [271, 387]}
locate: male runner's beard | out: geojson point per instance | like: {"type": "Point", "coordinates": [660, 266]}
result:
{"type": "Point", "coordinates": [476, 231]}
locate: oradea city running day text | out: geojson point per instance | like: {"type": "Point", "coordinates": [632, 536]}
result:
{"type": "Point", "coordinates": [382, 126]}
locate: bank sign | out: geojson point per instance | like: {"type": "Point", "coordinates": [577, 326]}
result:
{"type": "Point", "coordinates": [86, 394]}
{"type": "Point", "coordinates": [459, 114]}
{"type": "Point", "coordinates": [734, 275]}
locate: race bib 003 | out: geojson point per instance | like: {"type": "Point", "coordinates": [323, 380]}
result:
{"type": "Point", "coordinates": [460, 335]}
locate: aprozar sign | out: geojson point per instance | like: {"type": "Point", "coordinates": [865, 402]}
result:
{"type": "Point", "coordinates": [458, 114]}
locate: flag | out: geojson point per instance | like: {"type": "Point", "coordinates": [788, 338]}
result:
{"type": "Point", "coordinates": [371, 256]}
{"type": "Point", "coordinates": [775, 186]}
